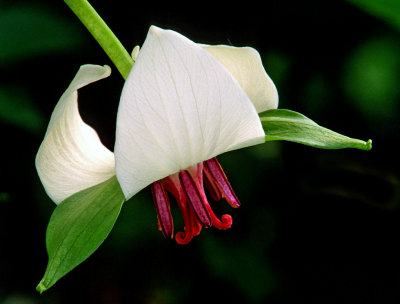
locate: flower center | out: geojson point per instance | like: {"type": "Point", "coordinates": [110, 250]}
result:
{"type": "Point", "coordinates": [188, 189]}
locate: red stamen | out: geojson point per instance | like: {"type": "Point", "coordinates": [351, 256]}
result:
{"type": "Point", "coordinates": [224, 223]}
{"type": "Point", "coordinates": [188, 189]}
{"type": "Point", "coordinates": [212, 188]}
{"type": "Point", "coordinates": [161, 201]}
{"type": "Point", "coordinates": [192, 226]}
{"type": "Point", "coordinates": [191, 229]}
{"type": "Point", "coordinates": [173, 185]}
{"type": "Point", "coordinates": [195, 198]}
{"type": "Point", "coordinates": [196, 172]}
{"type": "Point", "coordinates": [214, 170]}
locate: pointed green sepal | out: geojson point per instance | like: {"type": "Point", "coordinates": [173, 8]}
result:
{"type": "Point", "coordinates": [78, 226]}
{"type": "Point", "coordinates": [289, 125]}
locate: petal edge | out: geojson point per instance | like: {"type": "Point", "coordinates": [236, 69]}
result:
{"type": "Point", "coordinates": [71, 157]}
{"type": "Point", "coordinates": [246, 66]}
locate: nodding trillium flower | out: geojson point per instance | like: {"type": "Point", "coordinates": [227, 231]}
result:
{"type": "Point", "coordinates": [182, 105]}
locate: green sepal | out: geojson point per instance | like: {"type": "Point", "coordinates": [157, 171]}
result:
{"type": "Point", "coordinates": [78, 226]}
{"type": "Point", "coordinates": [289, 125]}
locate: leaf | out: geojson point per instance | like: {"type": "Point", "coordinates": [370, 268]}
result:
{"type": "Point", "coordinates": [78, 226]}
{"type": "Point", "coordinates": [387, 10]}
{"type": "Point", "coordinates": [292, 126]}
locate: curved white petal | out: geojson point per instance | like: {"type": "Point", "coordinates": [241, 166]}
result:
{"type": "Point", "coordinates": [245, 65]}
{"type": "Point", "coordinates": [179, 106]}
{"type": "Point", "coordinates": [71, 157]}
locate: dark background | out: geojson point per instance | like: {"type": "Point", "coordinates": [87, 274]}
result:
{"type": "Point", "coordinates": [315, 226]}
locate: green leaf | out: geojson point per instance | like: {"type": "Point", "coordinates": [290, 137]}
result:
{"type": "Point", "coordinates": [78, 226]}
{"type": "Point", "coordinates": [292, 126]}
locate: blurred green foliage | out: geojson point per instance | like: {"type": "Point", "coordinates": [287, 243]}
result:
{"type": "Point", "coordinates": [388, 10]}
{"type": "Point", "coordinates": [371, 76]}
{"type": "Point", "coordinates": [17, 108]}
{"type": "Point", "coordinates": [28, 30]}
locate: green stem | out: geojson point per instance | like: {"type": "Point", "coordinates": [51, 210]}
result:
{"type": "Point", "coordinates": [103, 35]}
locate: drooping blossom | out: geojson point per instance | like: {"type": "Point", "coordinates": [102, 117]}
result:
{"type": "Point", "coordinates": [182, 105]}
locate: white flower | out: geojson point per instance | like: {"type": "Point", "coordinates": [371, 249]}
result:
{"type": "Point", "coordinates": [183, 103]}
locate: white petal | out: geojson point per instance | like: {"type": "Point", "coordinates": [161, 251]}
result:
{"type": "Point", "coordinates": [135, 52]}
{"type": "Point", "coordinates": [245, 65]}
{"type": "Point", "coordinates": [179, 106]}
{"type": "Point", "coordinates": [71, 157]}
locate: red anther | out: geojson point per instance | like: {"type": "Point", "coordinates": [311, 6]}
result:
{"type": "Point", "coordinates": [214, 170]}
{"type": "Point", "coordinates": [188, 189]}
{"type": "Point", "coordinates": [161, 201]}
{"type": "Point", "coordinates": [212, 188]}
{"type": "Point", "coordinates": [195, 198]}
{"type": "Point", "coordinates": [196, 172]}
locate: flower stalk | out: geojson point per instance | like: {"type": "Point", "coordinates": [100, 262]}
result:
{"type": "Point", "coordinates": [103, 35]}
